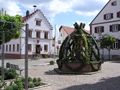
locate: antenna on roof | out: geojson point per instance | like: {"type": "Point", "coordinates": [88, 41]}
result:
{"type": "Point", "coordinates": [34, 7]}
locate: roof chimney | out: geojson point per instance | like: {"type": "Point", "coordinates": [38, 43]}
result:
{"type": "Point", "coordinates": [34, 7]}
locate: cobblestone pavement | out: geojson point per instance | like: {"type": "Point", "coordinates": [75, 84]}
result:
{"type": "Point", "coordinates": [106, 79]}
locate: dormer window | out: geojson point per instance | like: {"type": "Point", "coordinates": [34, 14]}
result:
{"type": "Point", "coordinates": [108, 16]}
{"type": "Point", "coordinates": [38, 22]}
{"type": "Point", "coordinates": [114, 3]}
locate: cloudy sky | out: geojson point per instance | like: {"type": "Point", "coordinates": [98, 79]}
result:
{"type": "Point", "coordinates": [59, 12]}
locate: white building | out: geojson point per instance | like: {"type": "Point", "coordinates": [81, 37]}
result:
{"type": "Point", "coordinates": [39, 41]}
{"type": "Point", "coordinates": [108, 22]}
{"type": "Point", "coordinates": [64, 32]}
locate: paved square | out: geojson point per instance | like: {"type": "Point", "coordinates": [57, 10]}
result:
{"type": "Point", "coordinates": [106, 79]}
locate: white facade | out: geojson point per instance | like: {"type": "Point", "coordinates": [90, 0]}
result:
{"type": "Point", "coordinates": [41, 42]}
{"type": "Point", "coordinates": [108, 21]}
{"type": "Point", "coordinates": [64, 31]}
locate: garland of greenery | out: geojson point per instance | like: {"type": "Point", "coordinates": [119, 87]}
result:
{"type": "Point", "coordinates": [79, 47]}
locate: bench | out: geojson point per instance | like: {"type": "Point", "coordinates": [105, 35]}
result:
{"type": "Point", "coordinates": [13, 66]}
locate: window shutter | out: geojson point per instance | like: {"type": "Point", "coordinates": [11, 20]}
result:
{"type": "Point", "coordinates": [118, 44]}
{"type": "Point", "coordinates": [111, 15]}
{"type": "Point", "coordinates": [95, 29]}
{"type": "Point", "coordinates": [102, 28]}
{"type": "Point", "coordinates": [118, 14]}
{"type": "Point", "coordinates": [105, 17]}
{"type": "Point", "coordinates": [110, 28]}
{"type": "Point", "coordinates": [118, 27]}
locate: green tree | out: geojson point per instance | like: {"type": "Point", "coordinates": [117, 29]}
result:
{"type": "Point", "coordinates": [10, 25]}
{"type": "Point", "coordinates": [107, 42]}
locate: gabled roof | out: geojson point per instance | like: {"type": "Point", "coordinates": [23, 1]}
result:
{"type": "Point", "coordinates": [100, 12]}
{"type": "Point", "coordinates": [67, 29]}
{"type": "Point", "coordinates": [33, 13]}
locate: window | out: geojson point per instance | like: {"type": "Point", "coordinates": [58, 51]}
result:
{"type": "Point", "coordinates": [29, 47]}
{"type": "Point", "coordinates": [9, 47]}
{"type": "Point", "coordinates": [38, 22]}
{"type": "Point", "coordinates": [6, 48]}
{"type": "Point", "coordinates": [18, 47]}
{"type": "Point", "coordinates": [13, 47]}
{"type": "Point", "coordinates": [115, 28]}
{"type": "Point", "coordinates": [30, 33]}
{"type": "Point", "coordinates": [118, 14]}
{"type": "Point", "coordinates": [108, 16]}
{"type": "Point", "coordinates": [45, 48]}
{"type": "Point", "coordinates": [114, 3]}
{"type": "Point", "coordinates": [116, 45]}
{"type": "Point", "coordinates": [99, 29]}
{"type": "Point", "coordinates": [46, 35]}
{"type": "Point", "coordinates": [37, 34]}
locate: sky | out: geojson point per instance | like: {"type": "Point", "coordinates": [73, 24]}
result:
{"type": "Point", "coordinates": [58, 12]}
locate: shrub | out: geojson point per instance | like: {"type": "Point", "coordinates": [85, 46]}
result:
{"type": "Point", "coordinates": [10, 74]}
{"type": "Point", "coordinates": [37, 83]}
{"type": "Point", "coordinates": [52, 62]}
{"type": "Point", "coordinates": [19, 83]}
{"type": "Point", "coordinates": [22, 79]}
{"type": "Point", "coordinates": [31, 85]}
{"type": "Point", "coordinates": [9, 88]}
{"type": "Point", "coordinates": [39, 79]}
{"type": "Point", "coordinates": [34, 80]}
{"type": "Point", "coordinates": [29, 79]}
{"type": "Point", "coordinates": [15, 87]}
{"type": "Point", "coordinates": [1, 70]}
{"type": "Point", "coordinates": [7, 65]}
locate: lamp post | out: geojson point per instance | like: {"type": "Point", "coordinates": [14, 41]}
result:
{"type": "Point", "coordinates": [3, 41]}
{"type": "Point", "coordinates": [55, 43]}
{"type": "Point", "coordinates": [26, 53]}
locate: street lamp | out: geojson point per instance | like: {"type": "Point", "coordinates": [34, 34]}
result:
{"type": "Point", "coordinates": [26, 53]}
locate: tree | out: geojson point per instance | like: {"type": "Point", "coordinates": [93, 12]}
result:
{"type": "Point", "coordinates": [107, 42]}
{"type": "Point", "coordinates": [10, 26]}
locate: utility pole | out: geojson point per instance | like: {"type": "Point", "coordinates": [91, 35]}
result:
{"type": "Point", "coordinates": [55, 42]}
{"type": "Point", "coordinates": [3, 41]}
{"type": "Point", "coordinates": [26, 52]}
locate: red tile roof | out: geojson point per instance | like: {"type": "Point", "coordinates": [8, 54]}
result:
{"type": "Point", "coordinates": [67, 29]}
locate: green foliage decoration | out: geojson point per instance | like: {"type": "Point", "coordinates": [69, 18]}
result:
{"type": "Point", "coordinates": [79, 47]}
